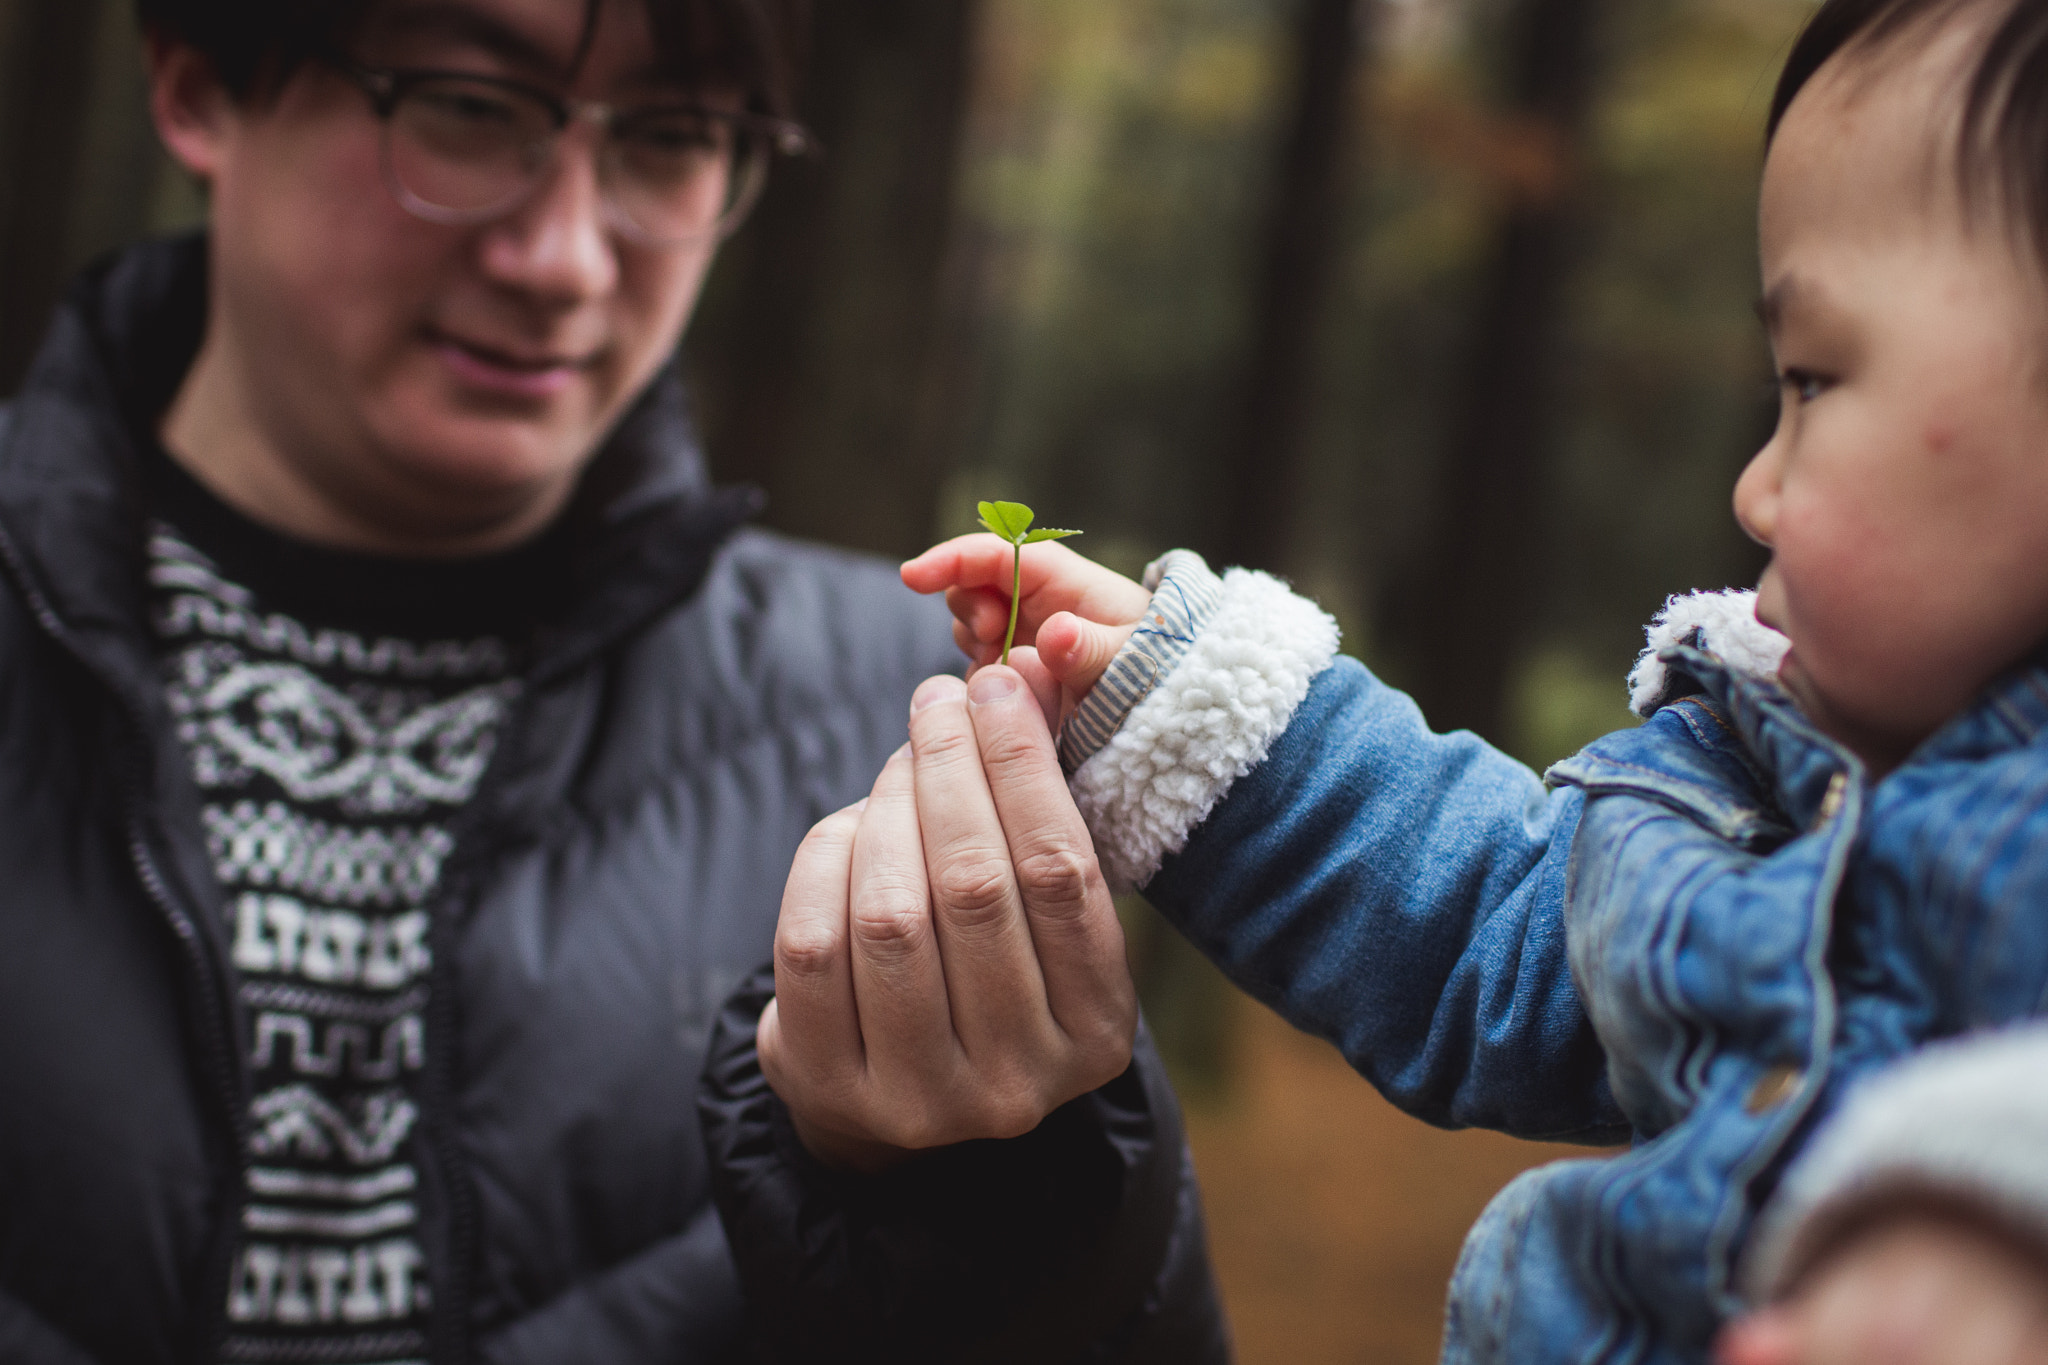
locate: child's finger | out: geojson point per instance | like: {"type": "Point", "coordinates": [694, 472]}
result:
{"type": "Point", "coordinates": [1055, 578]}
{"type": "Point", "coordinates": [978, 652]}
{"type": "Point", "coordinates": [1076, 651]}
{"type": "Point", "coordinates": [984, 613]}
{"type": "Point", "coordinates": [981, 560]}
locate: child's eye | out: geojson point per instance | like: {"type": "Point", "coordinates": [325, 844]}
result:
{"type": "Point", "coordinates": [1805, 385]}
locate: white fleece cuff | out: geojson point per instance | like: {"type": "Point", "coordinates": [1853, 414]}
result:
{"type": "Point", "coordinates": [1184, 597]}
{"type": "Point", "coordinates": [1723, 623]}
{"type": "Point", "coordinates": [1206, 724]}
{"type": "Point", "coordinates": [1964, 1120]}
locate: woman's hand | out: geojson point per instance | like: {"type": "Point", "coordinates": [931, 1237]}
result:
{"type": "Point", "coordinates": [948, 964]}
{"type": "Point", "coordinates": [1917, 1289]}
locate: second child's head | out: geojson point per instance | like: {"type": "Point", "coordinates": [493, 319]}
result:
{"type": "Point", "coordinates": [1904, 237]}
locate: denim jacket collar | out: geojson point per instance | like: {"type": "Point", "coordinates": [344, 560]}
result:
{"type": "Point", "coordinates": [2010, 713]}
{"type": "Point", "coordinates": [1710, 644]}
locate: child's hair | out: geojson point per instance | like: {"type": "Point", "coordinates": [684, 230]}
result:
{"type": "Point", "coordinates": [255, 45]}
{"type": "Point", "coordinates": [2005, 115]}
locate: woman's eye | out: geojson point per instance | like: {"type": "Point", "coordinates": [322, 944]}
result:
{"type": "Point", "coordinates": [674, 134]}
{"type": "Point", "coordinates": [465, 106]}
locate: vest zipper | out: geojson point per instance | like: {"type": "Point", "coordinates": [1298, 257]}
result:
{"type": "Point", "coordinates": [219, 1060]}
{"type": "Point", "coordinates": [449, 1327]}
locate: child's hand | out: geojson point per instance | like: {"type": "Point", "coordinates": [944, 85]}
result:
{"type": "Point", "coordinates": [1914, 1290]}
{"type": "Point", "coordinates": [1073, 612]}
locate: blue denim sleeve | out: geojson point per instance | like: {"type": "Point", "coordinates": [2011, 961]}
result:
{"type": "Point", "coordinates": [1401, 894]}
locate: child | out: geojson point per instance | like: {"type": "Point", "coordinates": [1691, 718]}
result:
{"type": "Point", "coordinates": [1724, 932]}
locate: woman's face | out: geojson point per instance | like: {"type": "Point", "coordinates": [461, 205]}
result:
{"type": "Point", "coordinates": [439, 378]}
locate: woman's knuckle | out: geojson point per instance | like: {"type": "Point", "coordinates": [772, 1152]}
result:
{"type": "Point", "coordinates": [890, 918]}
{"type": "Point", "coordinates": [973, 886]}
{"type": "Point", "coordinates": [805, 952]}
{"type": "Point", "coordinates": [1102, 1045]}
{"type": "Point", "coordinates": [1111, 1057]}
{"type": "Point", "coordinates": [1012, 1116]}
{"type": "Point", "coordinates": [911, 1126]}
{"type": "Point", "coordinates": [981, 1114]}
{"type": "Point", "coordinates": [1056, 877]}
{"type": "Point", "coordinates": [943, 745]}
{"type": "Point", "coordinates": [1013, 748]}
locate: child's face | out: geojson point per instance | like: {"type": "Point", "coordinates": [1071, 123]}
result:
{"type": "Point", "coordinates": [1904, 496]}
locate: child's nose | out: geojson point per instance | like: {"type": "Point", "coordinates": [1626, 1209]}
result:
{"type": "Point", "coordinates": [1756, 496]}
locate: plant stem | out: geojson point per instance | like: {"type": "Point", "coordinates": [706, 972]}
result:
{"type": "Point", "coordinates": [1016, 584]}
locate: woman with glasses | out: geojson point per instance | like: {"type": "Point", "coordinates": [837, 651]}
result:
{"type": "Point", "coordinates": [408, 756]}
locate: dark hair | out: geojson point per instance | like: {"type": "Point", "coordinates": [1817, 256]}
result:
{"type": "Point", "coordinates": [2005, 115]}
{"type": "Point", "coordinates": [256, 44]}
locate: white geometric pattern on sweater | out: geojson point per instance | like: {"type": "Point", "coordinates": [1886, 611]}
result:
{"type": "Point", "coordinates": [296, 1119]}
{"type": "Point", "coordinates": [307, 743]}
{"type": "Point", "coordinates": [383, 751]}
{"type": "Point", "coordinates": [272, 845]}
{"type": "Point", "coordinates": [297, 1285]}
{"type": "Point", "coordinates": [285, 936]}
{"type": "Point", "coordinates": [312, 1047]}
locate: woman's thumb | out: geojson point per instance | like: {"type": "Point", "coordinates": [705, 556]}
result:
{"type": "Point", "coordinates": [1076, 650]}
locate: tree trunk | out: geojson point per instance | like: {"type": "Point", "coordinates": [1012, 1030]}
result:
{"type": "Point", "coordinates": [43, 112]}
{"type": "Point", "coordinates": [817, 358]}
{"type": "Point", "coordinates": [1298, 253]}
{"type": "Point", "coordinates": [1477, 580]}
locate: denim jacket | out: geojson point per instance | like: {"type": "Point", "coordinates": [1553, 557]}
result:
{"type": "Point", "coordinates": [1699, 937]}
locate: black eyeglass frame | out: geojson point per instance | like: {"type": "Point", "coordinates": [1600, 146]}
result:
{"type": "Point", "coordinates": [386, 86]}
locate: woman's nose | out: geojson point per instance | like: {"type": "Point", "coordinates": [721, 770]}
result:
{"type": "Point", "coordinates": [559, 246]}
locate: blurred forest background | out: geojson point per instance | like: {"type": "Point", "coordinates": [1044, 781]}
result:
{"type": "Point", "coordinates": [1440, 307]}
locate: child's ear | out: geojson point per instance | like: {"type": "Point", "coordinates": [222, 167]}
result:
{"type": "Point", "coordinates": [193, 111]}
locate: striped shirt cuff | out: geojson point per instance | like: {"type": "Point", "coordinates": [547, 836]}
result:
{"type": "Point", "coordinates": [1184, 597]}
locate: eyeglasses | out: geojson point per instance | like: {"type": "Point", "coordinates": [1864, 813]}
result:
{"type": "Point", "coordinates": [464, 150]}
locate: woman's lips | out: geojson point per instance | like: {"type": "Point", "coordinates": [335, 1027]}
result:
{"type": "Point", "coordinates": [506, 374]}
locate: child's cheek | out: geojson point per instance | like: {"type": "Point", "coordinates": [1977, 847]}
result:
{"type": "Point", "coordinates": [1834, 580]}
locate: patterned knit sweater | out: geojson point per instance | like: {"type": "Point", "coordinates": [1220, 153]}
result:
{"type": "Point", "coordinates": [336, 720]}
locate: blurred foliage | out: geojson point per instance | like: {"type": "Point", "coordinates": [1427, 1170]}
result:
{"type": "Point", "coordinates": [1115, 163]}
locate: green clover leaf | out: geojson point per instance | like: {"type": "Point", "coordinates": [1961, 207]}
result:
{"type": "Point", "coordinates": [1012, 521]}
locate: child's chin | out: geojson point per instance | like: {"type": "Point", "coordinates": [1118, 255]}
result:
{"type": "Point", "coordinates": [1794, 677]}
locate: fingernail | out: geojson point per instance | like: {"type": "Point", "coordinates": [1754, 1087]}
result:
{"type": "Point", "coordinates": [931, 691]}
{"type": "Point", "coordinates": [991, 685]}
